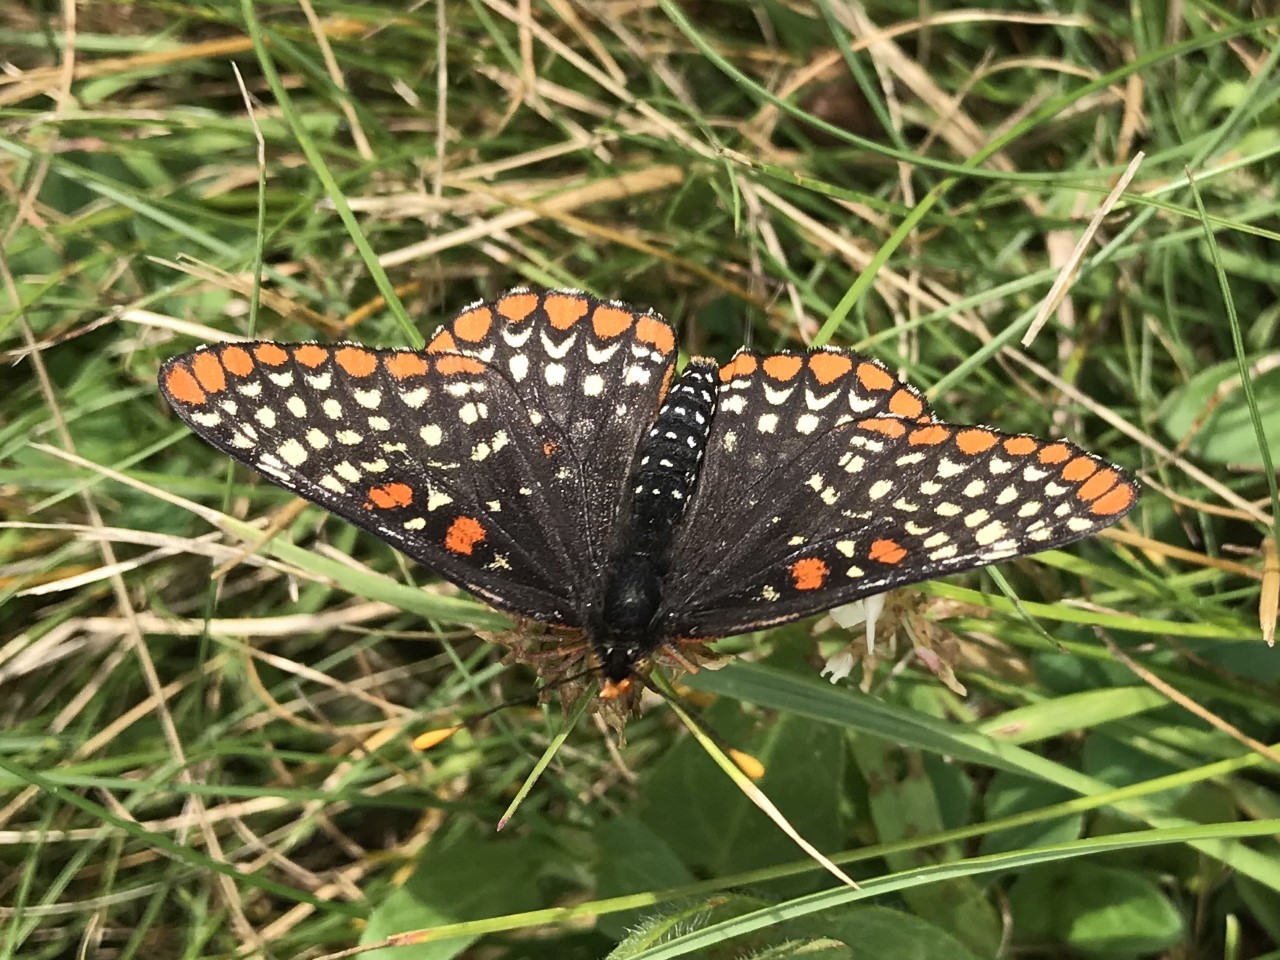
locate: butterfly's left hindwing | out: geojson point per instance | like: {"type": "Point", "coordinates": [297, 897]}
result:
{"type": "Point", "coordinates": [875, 503]}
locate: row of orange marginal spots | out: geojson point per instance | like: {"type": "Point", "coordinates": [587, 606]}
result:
{"type": "Point", "coordinates": [563, 311]}
{"type": "Point", "coordinates": [207, 373]}
{"type": "Point", "coordinates": [828, 366]}
{"type": "Point", "coordinates": [1102, 488]}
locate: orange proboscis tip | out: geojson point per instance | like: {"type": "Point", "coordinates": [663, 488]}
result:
{"type": "Point", "coordinates": [748, 764]}
{"type": "Point", "coordinates": [615, 691]}
{"type": "Point", "coordinates": [432, 738]}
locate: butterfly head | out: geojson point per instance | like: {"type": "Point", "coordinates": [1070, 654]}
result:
{"type": "Point", "coordinates": [625, 632]}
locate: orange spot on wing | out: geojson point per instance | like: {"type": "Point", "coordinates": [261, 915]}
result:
{"type": "Point", "coordinates": [657, 333]}
{"type": "Point", "coordinates": [743, 365]}
{"type": "Point", "coordinates": [1119, 499]}
{"type": "Point", "coordinates": [887, 551]}
{"type": "Point", "coordinates": [238, 361]}
{"type": "Point", "coordinates": [357, 361]}
{"type": "Point", "coordinates": [782, 367]}
{"type": "Point", "coordinates": [873, 377]}
{"type": "Point", "coordinates": [564, 310]}
{"type": "Point", "coordinates": [928, 436]}
{"type": "Point", "coordinates": [405, 365]}
{"type": "Point", "coordinates": [517, 306]}
{"type": "Point", "coordinates": [666, 383]}
{"type": "Point", "coordinates": [451, 364]}
{"type": "Point", "coordinates": [272, 354]}
{"type": "Point", "coordinates": [182, 386]}
{"type": "Point", "coordinates": [1021, 446]}
{"type": "Point", "coordinates": [1054, 453]}
{"type": "Point", "coordinates": [829, 367]}
{"type": "Point", "coordinates": [442, 342]}
{"type": "Point", "coordinates": [885, 426]}
{"type": "Point", "coordinates": [1078, 469]}
{"type": "Point", "coordinates": [609, 322]}
{"type": "Point", "coordinates": [311, 355]}
{"type": "Point", "coordinates": [463, 535]}
{"type": "Point", "coordinates": [809, 573]}
{"type": "Point", "coordinates": [208, 370]}
{"type": "Point", "coordinates": [1098, 484]}
{"type": "Point", "coordinates": [904, 403]}
{"type": "Point", "coordinates": [474, 325]}
{"type": "Point", "coordinates": [549, 448]}
{"type": "Point", "coordinates": [389, 496]}
{"type": "Point", "coordinates": [975, 441]}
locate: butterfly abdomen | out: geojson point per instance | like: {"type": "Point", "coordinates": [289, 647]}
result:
{"type": "Point", "coordinates": [662, 482]}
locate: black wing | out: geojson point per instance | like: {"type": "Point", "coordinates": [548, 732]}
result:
{"type": "Point", "coordinates": [493, 473]}
{"type": "Point", "coordinates": [818, 517]}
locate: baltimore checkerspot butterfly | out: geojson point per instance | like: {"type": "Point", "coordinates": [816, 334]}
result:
{"type": "Point", "coordinates": [543, 453]}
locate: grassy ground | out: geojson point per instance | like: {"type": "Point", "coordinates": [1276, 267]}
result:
{"type": "Point", "coordinates": [207, 695]}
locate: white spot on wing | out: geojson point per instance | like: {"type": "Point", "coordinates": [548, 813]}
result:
{"type": "Point", "coordinates": [293, 453]}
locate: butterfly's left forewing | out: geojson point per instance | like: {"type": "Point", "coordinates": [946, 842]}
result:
{"type": "Point", "coordinates": [497, 456]}
{"type": "Point", "coordinates": [428, 452]}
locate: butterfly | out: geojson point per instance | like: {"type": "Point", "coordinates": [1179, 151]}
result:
{"type": "Point", "coordinates": [544, 453]}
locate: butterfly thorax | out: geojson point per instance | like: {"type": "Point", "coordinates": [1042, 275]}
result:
{"type": "Point", "coordinates": [662, 481]}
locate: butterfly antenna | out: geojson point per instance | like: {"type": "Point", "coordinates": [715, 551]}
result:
{"type": "Point", "coordinates": [744, 761]}
{"type": "Point", "coordinates": [431, 738]}
{"type": "Point", "coordinates": [437, 735]}
{"type": "Point", "coordinates": [729, 761]}
{"type": "Point", "coordinates": [544, 761]}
